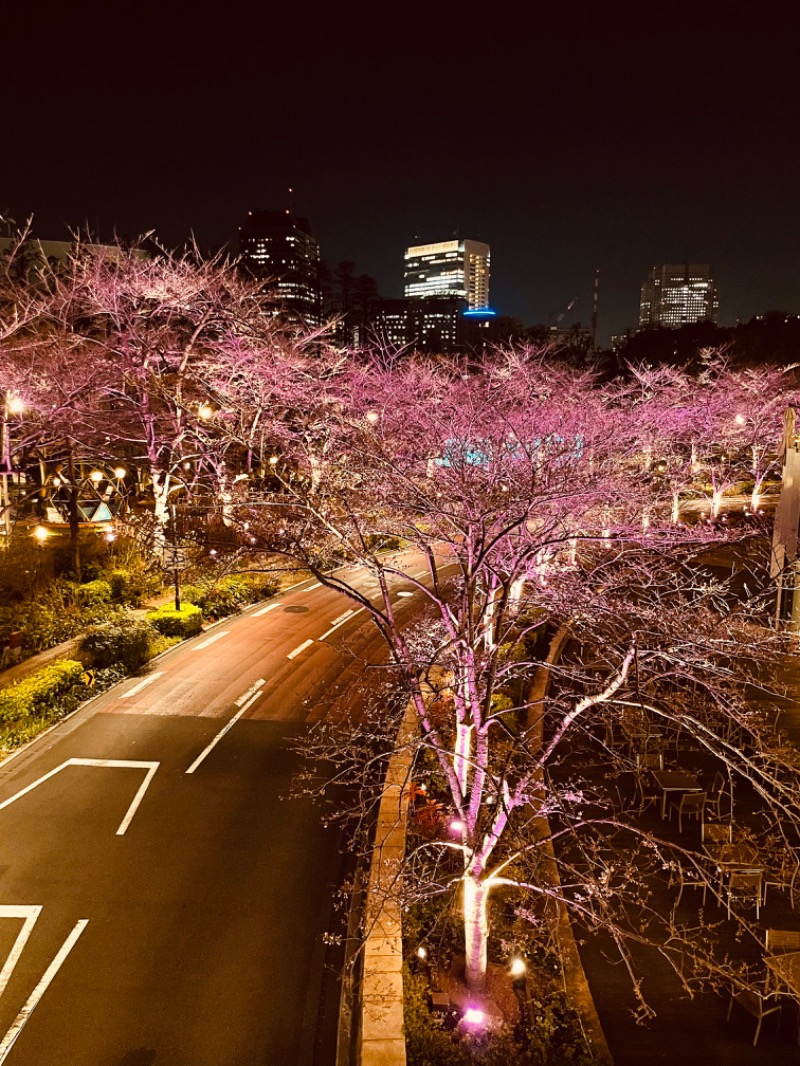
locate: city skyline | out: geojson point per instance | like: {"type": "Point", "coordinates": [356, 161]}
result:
{"type": "Point", "coordinates": [572, 146]}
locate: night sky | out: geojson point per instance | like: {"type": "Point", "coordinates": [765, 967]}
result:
{"type": "Point", "coordinates": [569, 144]}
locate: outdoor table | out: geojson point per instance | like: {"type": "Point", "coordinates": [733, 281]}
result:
{"type": "Point", "coordinates": [674, 781]}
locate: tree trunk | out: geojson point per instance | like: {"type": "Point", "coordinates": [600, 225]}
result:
{"type": "Point", "coordinates": [476, 931]}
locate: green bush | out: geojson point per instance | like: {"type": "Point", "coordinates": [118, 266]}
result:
{"type": "Point", "coordinates": [92, 593]}
{"type": "Point", "coordinates": [41, 693]}
{"type": "Point", "coordinates": [184, 623]}
{"type": "Point", "coordinates": [128, 642]}
{"type": "Point", "coordinates": [227, 595]}
{"type": "Point", "coordinates": [131, 586]}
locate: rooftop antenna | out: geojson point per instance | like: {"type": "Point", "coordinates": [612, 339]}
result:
{"type": "Point", "coordinates": [289, 193]}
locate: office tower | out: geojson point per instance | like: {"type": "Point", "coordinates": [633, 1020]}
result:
{"type": "Point", "coordinates": [278, 247]}
{"type": "Point", "coordinates": [677, 294]}
{"type": "Point", "coordinates": [457, 269]}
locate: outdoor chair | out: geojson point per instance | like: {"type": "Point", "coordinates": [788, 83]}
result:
{"type": "Point", "coordinates": [646, 788]}
{"type": "Point", "coordinates": [716, 832]}
{"type": "Point", "coordinates": [688, 805]}
{"type": "Point", "coordinates": [786, 878]}
{"type": "Point", "coordinates": [755, 1003]}
{"type": "Point", "coordinates": [780, 940]}
{"type": "Point", "coordinates": [690, 875]}
{"type": "Point", "coordinates": [745, 885]}
{"type": "Point", "coordinates": [714, 796]}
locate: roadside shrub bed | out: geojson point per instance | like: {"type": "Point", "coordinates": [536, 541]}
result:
{"type": "Point", "coordinates": [171, 623]}
{"type": "Point", "coordinates": [226, 596]}
{"type": "Point", "coordinates": [128, 641]}
{"type": "Point", "coordinates": [42, 693]}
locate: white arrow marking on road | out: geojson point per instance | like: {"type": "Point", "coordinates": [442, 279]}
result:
{"type": "Point", "coordinates": [142, 684]}
{"type": "Point", "coordinates": [30, 914]}
{"type": "Point", "coordinates": [124, 764]}
{"type": "Point", "coordinates": [33, 1000]}
{"type": "Point", "coordinates": [263, 610]}
{"type": "Point", "coordinates": [224, 730]}
{"type": "Point", "coordinates": [299, 648]}
{"type": "Point", "coordinates": [210, 640]}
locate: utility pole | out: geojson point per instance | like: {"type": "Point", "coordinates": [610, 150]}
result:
{"type": "Point", "coordinates": [595, 303]}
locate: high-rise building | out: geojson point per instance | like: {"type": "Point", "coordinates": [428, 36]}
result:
{"type": "Point", "coordinates": [278, 247]}
{"type": "Point", "coordinates": [677, 294]}
{"type": "Point", "coordinates": [457, 269]}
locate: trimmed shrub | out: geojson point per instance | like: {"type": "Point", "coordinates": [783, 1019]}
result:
{"type": "Point", "coordinates": [184, 623]}
{"type": "Point", "coordinates": [128, 642]}
{"type": "Point", "coordinates": [93, 593]}
{"type": "Point", "coordinates": [229, 594]}
{"type": "Point", "coordinates": [42, 693]}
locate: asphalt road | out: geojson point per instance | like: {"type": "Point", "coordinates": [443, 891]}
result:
{"type": "Point", "coordinates": [161, 903]}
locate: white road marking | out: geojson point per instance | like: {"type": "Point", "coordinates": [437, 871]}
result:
{"type": "Point", "coordinates": [263, 610]}
{"type": "Point", "coordinates": [30, 914]}
{"type": "Point", "coordinates": [124, 764]}
{"type": "Point", "coordinates": [138, 688]}
{"type": "Point", "coordinates": [33, 1000]}
{"type": "Point", "coordinates": [340, 621]}
{"type": "Point", "coordinates": [245, 696]}
{"type": "Point", "coordinates": [404, 594]}
{"type": "Point", "coordinates": [210, 640]}
{"type": "Point", "coordinates": [299, 648]}
{"type": "Point", "coordinates": [222, 732]}
{"type": "Point", "coordinates": [308, 588]}
{"type": "Point", "coordinates": [422, 573]}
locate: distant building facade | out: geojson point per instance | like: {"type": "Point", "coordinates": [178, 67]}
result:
{"type": "Point", "coordinates": [457, 269]}
{"type": "Point", "coordinates": [678, 294]}
{"type": "Point", "coordinates": [435, 325]}
{"type": "Point", "coordinates": [279, 247]}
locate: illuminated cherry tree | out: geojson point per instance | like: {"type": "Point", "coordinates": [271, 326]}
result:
{"type": "Point", "coordinates": [537, 500]}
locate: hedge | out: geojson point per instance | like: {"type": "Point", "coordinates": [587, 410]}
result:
{"type": "Point", "coordinates": [229, 594]}
{"type": "Point", "coordinates": [128, 641]}
{"type": "Point", "coordinates": [39, 694]}
{"type": "Point", "coordinates": [184, 623]}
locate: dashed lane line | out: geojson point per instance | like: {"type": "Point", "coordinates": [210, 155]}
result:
{"type": "Point", "coordinates": [249, 701]}
{"type": "Point", "coordinates": [142, 684]}
{"type": "Point", "coordinates": [263, 610]}
{"type": "Point", "coordinates": [340, 621]}
{"type": "Point", "coordinates": [210, 640]}
{"type": "Point", "coordinates": [299, 648]}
